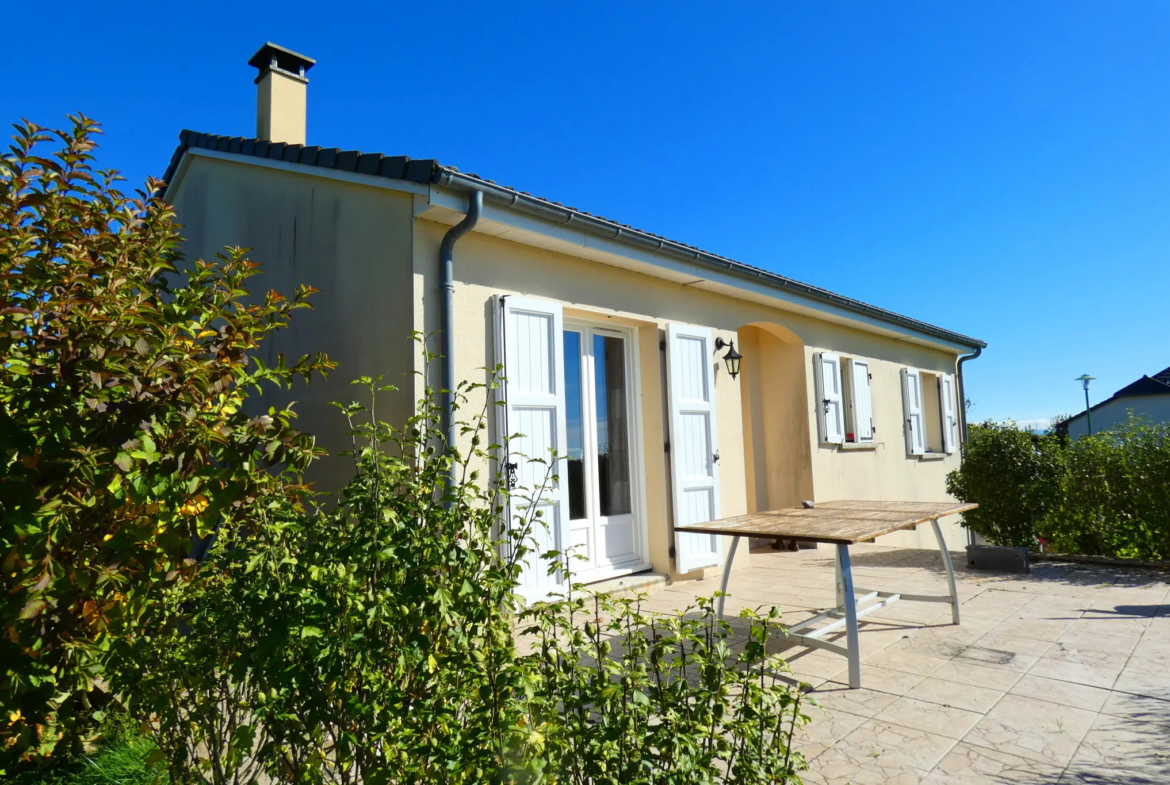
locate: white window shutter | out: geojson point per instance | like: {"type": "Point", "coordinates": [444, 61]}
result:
{"type": "Point", "coordinates": [912, 408]}
{"type": "Point", "coordinates": [530, 345]}
{"type": "Point", "coordinates": [830, 407]}
{"type": "Point", "coordinates": [694, 449]}
{"type": "Point", "coordinates": [862, 400]}
{"type": "Point", "coordinates": [950, 426]}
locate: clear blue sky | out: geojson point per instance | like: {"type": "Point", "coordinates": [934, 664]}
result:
{"type": "Point", "coordinates": [997, 168]}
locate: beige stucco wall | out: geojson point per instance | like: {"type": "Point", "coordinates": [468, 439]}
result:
{"type": "Point", "coordinates": [487, 266]}
{"type": "Point", "coordinates": [352, 242]}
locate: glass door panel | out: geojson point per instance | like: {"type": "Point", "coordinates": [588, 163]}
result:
{"type": "Point", "coordinates": [575, 415]}
{"type": "Point", "coordinates": [613, 426]}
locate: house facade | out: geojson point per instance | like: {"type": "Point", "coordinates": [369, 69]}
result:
{"type": "Point", "coordinates": [1147, 398]}
{"type": "Point", "coordinates": [612, 340]}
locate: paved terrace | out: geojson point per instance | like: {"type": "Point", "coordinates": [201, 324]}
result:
{"type": "Point", "coordinates": [1060, 676]}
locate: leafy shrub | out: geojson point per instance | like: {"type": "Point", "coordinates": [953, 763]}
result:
{"type": "Point", "coordinates": [634, 698]}
{"type": "Point", "coordinates": [374, 641]}
{"type": "Point", "coordinates": [1101, 495]}
{"type": "Point", "coordinates": [1116, 494]}
{"type": "Point", "coordinates": [1014, 476]}
{"type": "Point", "coordinates": [122, 424]}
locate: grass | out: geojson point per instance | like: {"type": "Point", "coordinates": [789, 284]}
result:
{"type": "Point", "coordinates": [120, 759]}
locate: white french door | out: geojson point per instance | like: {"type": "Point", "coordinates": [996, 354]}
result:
{"type": "Point", "coordinates": [603, 475]}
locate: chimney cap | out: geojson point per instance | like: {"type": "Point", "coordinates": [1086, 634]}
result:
{"type": "Point", "coordinates": [270, 55]}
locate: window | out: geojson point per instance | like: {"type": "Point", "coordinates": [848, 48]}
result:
{"type": "Point", "coordinates": [844, 399]}
{"type": "Point", "coordinates": [928, 402]}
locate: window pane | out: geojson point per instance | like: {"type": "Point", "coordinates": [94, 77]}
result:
{"type": "Point", "coordinates": [613, 441]}
{"type": "Point", "coordinates": [575, 418]}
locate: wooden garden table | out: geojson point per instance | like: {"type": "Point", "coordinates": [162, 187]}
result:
{"type": "Point", "coordinates": [841, 523]}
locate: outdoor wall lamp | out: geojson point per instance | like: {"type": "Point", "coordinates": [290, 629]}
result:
{"type": "Point", "coordinates": [732, 358]}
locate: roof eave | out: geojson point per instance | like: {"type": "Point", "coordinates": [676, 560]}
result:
{"type": "Point", "coordinates": [611, 230]}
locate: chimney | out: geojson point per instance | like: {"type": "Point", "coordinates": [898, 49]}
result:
{"type": "Point", "coordinates": [281, 94]}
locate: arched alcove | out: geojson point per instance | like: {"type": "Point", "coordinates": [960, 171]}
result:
{"type": "Point", "coordinates": [777, 448]}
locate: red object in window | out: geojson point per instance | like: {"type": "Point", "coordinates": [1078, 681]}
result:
{"type": "Point", "coordinates": [848, 437]}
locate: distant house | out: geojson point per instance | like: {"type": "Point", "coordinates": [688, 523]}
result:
{"type": "Point", "coordinates": [1148, 397]}
{"type": "Point", "coordinates": [616, 343]}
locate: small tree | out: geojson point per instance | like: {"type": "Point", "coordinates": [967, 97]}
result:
{"type": "Point", "coordinates": [122, 421]}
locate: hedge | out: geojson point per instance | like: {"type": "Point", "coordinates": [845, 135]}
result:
{"type": "Point", "coordinates": [1101, 495]}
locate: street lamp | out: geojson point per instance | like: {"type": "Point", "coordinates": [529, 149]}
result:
{"type": "Point", "coordinates": [1084, 379]}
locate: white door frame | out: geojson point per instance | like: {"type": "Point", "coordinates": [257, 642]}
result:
{"type": "Point", "coordinates": [641, 559]}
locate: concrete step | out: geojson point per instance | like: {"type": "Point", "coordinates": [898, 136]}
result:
{"type": "Point", "coordinates": [629, 585]}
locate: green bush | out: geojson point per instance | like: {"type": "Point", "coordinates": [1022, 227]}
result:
{"type": "Point", "coordinates": [373, 641]}
{"type": "Point", "coordinates": [123, 433]}
{"type": "Point", "coordinates": [1102, 495]}
{"type": "Point", "coordinates": [1116, 494]}
{"type": "Point", "coordinates": [1015, 477]}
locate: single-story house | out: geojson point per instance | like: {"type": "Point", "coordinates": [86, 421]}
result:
{"type": "Point", "coordinates": [1147, 398]}
{"type": "Point", "coordinates": [615, 342]}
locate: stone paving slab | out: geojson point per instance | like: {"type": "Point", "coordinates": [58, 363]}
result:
{"type": "Point", "coordinates": [1060, 677]}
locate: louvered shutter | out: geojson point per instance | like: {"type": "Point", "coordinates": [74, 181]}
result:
{"type": "Point", "coordinates": [912, 409]}
{"type": "Point", "coordinates": [694, 466]}
{"type": "Point", "coordinates": [529, 341]}
{"type": "Point", "coordinates": [950, 426]}
{"type": "Point", "coordinates": [831, 412]}
{"type": "Point", "coordinates": [862, 400]}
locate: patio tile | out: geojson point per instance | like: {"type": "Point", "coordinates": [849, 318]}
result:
{"type": "Point", "coordinates": [970, 673]}
{"type": "Point", "coordinates": [881, 679]}
{"type": "Point", "coordinates": [950, 693]}
{"type": "Point", "coordinates": [1075, 651]}
{"type": "Point", "coordinates": [966, 764]}
{"type": "Point", "coordinates": [1063, 693]}
{"type": "Point", "coordinates": [1117, 751]}
{"type": "Point", "coordinates": [905, 656]}
{"type": "Point", "coordinates": [882, 748]}
{"type": "Point", "coordinates": [1142, 676]}
{"type": "Point", "coordinates": [1076, 672]}
{"type": "Point", "coordinates": [980, 653]}
{"type": "Point", "coordinates": [1036, 629]}
{"type": "Point", "coordinates": [1032, 729]}
{"type": "Point", "coordinates": [936, 718]}
{"type": "Point", "coordinates": [1028, 646]}
{"type": "Point", "coordinates": [821, 664]}
{"type": "Point", "coordinates": [835, 768]}
{"type": "Point", "coordinates": [826, 726]}
{"type": "Point", "coordinates": [862, 702]}
{"type": "Point", "coordinates": [1141, 709]}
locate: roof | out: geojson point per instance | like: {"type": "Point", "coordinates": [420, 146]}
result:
{"type": "Point", "coordinates": [429, 171]}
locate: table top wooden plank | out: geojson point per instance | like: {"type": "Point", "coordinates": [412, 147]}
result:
{"type": "Point", "coordinates": [846, 522]}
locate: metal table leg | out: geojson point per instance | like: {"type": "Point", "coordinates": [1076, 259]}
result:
{"type": "Point", "coordinates": [946, 556]}
{"type": "Point", "coordinates": [726, 576]}
{"type": "Point", "coordinates": [849, 606]}
{"type": "Point", "coordinates": [839, 584]}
